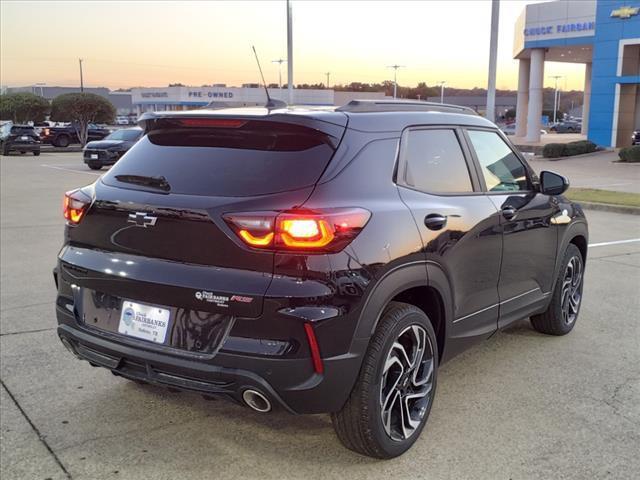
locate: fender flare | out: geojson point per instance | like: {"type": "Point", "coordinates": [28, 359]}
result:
{"type": "Point", "coordinates": [575, 229]}
{"type": "Point", "coordinates": [421, 273]}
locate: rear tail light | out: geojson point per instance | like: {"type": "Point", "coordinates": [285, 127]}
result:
{"type": "Point", "coordinates": [327, 230]}
{"type": "Point", "coordinates": [75, 205]}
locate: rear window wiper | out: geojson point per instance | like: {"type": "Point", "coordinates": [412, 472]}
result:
{"type": "Point", "coordinates": [155, 182]}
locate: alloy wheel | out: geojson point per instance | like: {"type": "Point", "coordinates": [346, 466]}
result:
{"type": "Point", "coordinates": [407, 383]}
{"type": "Point", "coordinates": [571, 290]}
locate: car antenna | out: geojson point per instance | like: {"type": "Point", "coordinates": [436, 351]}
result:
{"type": "Point", "coordinates": [271, 103]}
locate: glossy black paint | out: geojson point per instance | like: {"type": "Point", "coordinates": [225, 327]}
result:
{"type": "Point", "coordinates": [107, 151]}
{"type": "Point", "coordinates": [492, 260]}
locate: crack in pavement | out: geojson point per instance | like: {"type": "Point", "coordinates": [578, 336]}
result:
{"type": "Point", "coordinates": [35, 429]}
{"type": "Point", "coordinates": [28, 331]}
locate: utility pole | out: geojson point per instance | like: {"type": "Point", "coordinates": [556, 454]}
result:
{"type": "Point", "coordinates": [280, 61]}
{"type": "Point", "coordinates": [81, 81]}
{"type": "Point", "coordinates": [493, 61]}
{"type": "Point", "coordinates": [328, 74]}
{"type": "Point", "coordinates": [556, 97]}
{"type": "Point", "coordinates": [395, 78]}
{"type": "Point", "coordinates": [290, 51]}
{"type": "Point", "coordinates": [442, 90]}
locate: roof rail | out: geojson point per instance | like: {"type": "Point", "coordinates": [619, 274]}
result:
{"type": "Point", "coordinates": [364, 106]}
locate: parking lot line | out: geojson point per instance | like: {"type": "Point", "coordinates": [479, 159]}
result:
{"type": "Point", "coordinates": [70, 170]}
{"type": "Point", "coordinates": [616, 242]}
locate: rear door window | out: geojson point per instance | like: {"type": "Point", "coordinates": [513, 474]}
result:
{"type": "Point", "coordinates": [238, 159]}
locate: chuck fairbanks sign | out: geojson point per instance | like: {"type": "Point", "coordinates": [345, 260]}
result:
{"type": "Point", "coordinates": [564, 28]}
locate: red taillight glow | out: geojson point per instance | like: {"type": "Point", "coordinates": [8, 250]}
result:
{"type": "Point", "coordinates": [74, 206]}
{"type": "Point", "coordinates": [318, 366]}
{"type": "Point", "coordinates": [327, 230]}
{"type": "Point", "coordinates": [212, 122]}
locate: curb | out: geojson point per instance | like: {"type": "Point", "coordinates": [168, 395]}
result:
{"type": "Point", "coordinates": [607, 207]}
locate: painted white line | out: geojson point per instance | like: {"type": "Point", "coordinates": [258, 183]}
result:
{"type": "Point", "coordinates": [70, 170]}
{"type": "Point", "coordinates": [617, 242]}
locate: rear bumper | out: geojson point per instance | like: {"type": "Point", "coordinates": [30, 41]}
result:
{"type": "Point", "coordinates": [289, 383]}
{"type": "Point", "coordinates": [23, 147]}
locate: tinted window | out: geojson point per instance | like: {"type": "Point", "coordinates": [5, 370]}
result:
{"type": "Point", "coordinates": [22, 130]}
{"type": "Point", "coordinates": [256, 158]}
{"type": "Point", "coordinates": [435, 162]}
{"type": "Point", "coordinates": [127, 135]}
{"type": "Point", "coordinates": [502, 169]}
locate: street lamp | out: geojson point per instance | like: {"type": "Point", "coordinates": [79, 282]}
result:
{"type": "Point", "coordinates": [556, 98]}
{"type": "Point", "coordinates": [442, 83]}
{"type": "Point", "coordinates": [280, 61]}
{"type": "Point", "coordinates": [395, 78]}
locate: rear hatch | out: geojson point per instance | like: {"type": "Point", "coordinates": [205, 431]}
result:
{"type": "Point", "coordinates": [154, 232]}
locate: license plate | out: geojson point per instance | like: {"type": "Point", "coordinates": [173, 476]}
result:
{"type": "Point", "coordinates": [144, 321]}
{"type": "Point", "coordinates": [94, 156]}
{"type": "Point", "coordinates": [24, 137]}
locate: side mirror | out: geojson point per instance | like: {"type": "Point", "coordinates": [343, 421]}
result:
{"type": "Point", "coordinates": [552, 183]}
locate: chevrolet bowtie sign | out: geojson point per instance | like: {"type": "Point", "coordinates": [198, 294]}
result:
{"type": "Point", "coordinates": [625, 12]}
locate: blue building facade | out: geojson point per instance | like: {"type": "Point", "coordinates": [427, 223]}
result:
{"type": "Point", "coordinates": [602, 34]}
{"type": "Point", "coordinates": [614, 85]}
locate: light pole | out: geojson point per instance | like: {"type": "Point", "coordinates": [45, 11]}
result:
{"type": "Point", "coordinates": [493, 61]}
{"type": "Point", "coordinates": [556, 98]}
{"type": "Point", "coordinates": [328, 74]}
{"type": "Point", "coordinates": [442, 83]}
{"type": "Point", "coordinates": [290, 52]}
{"type": "Point", "coordinates": [280, 61]}
{"type": "Point", "coordinates": [395, 78]}
{"type": "Point", "coordinates": [81, 81]}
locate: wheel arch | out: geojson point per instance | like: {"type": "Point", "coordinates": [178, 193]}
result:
{"type": "Point", "coordinates": [413, 285]}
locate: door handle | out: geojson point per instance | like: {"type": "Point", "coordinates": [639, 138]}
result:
{"type": "Point", "coordinates": [435, 221]}
{"type": "Point", "coordinates": [509, 212]}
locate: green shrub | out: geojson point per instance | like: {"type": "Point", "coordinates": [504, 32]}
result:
{"type": "Point", "coordinates": [630, 154]}
{"type": "Point", "coordinates": [580, 147]}
{"type": "Point", "coordinates": [553, 150]}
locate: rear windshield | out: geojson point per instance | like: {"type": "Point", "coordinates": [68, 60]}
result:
{"type": "Point", "coordinates": [242, 159]}
{"type": "Point", "coordinates": [126, 135]}
{"type": "Point", "coordinates": [22, 130]}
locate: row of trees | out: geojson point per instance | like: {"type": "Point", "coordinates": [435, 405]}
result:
{"type": "Point", "coordinates": [80, 109]}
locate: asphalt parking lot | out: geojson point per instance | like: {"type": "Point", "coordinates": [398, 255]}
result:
{"type": "Point", "coordinates": [519, 406]}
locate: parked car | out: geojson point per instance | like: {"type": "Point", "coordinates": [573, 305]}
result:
{"type": "Point", "coordinates": [316, 260]}
{"type": "Point", "coordinates": [108, 151]}
{"type": "Point", "coordinates": [122, 120]}
{"type": "Point", "coordinates": [635, 138]}
{"type": "Point", "coordinates": [511, 130]}
{"type": "Point", "coordinates": [63, 136]}
{"type": "Point", "coordinates": [567, 127]}
{"type": "Point", "coordinates": [18, 138]}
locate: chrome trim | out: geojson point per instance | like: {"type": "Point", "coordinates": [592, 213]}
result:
{"type": "Point", "coordinates": [476, 313]}
{"type": "Point", "coordinates": [500, 303]}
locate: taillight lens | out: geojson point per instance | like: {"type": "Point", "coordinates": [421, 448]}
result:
{"type": "Point", "coordinates": [327, 230]}
{"type": "Point", "coordinates": [75, 205]}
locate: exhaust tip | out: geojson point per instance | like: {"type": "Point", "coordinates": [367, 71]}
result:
{"type": "Point", "coordinates": [256, 401]}
{"type": "Point", "coordinates": [69, 346]}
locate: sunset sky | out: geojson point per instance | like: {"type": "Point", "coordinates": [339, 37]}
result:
{"type": "Point", "coordinates": [153, 43]}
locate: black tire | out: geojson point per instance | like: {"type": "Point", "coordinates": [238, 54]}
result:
{"type": "Point", "coordinates": [36, 153]}
{"type": "Point", "coordinates": [359, 425]}
{"type": "Point", "coordinates": [95, 166]}
{"type": "Point", "coordinates": [62, 141]}
{"type": "Point", "coordinates": [562, 313]}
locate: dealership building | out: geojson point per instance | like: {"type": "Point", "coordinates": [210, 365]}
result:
{"type": "Point", "coordinates": [602, 34]}
{"type": "Point", "coordinates": [187, 98]}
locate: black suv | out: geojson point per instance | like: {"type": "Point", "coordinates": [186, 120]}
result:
{"type": "Point", "coordinates": [19, 138]}
{"type": "Point", "coordinates": [106, 152]}
{"type": "Point", "coordinates": [319, 260]}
